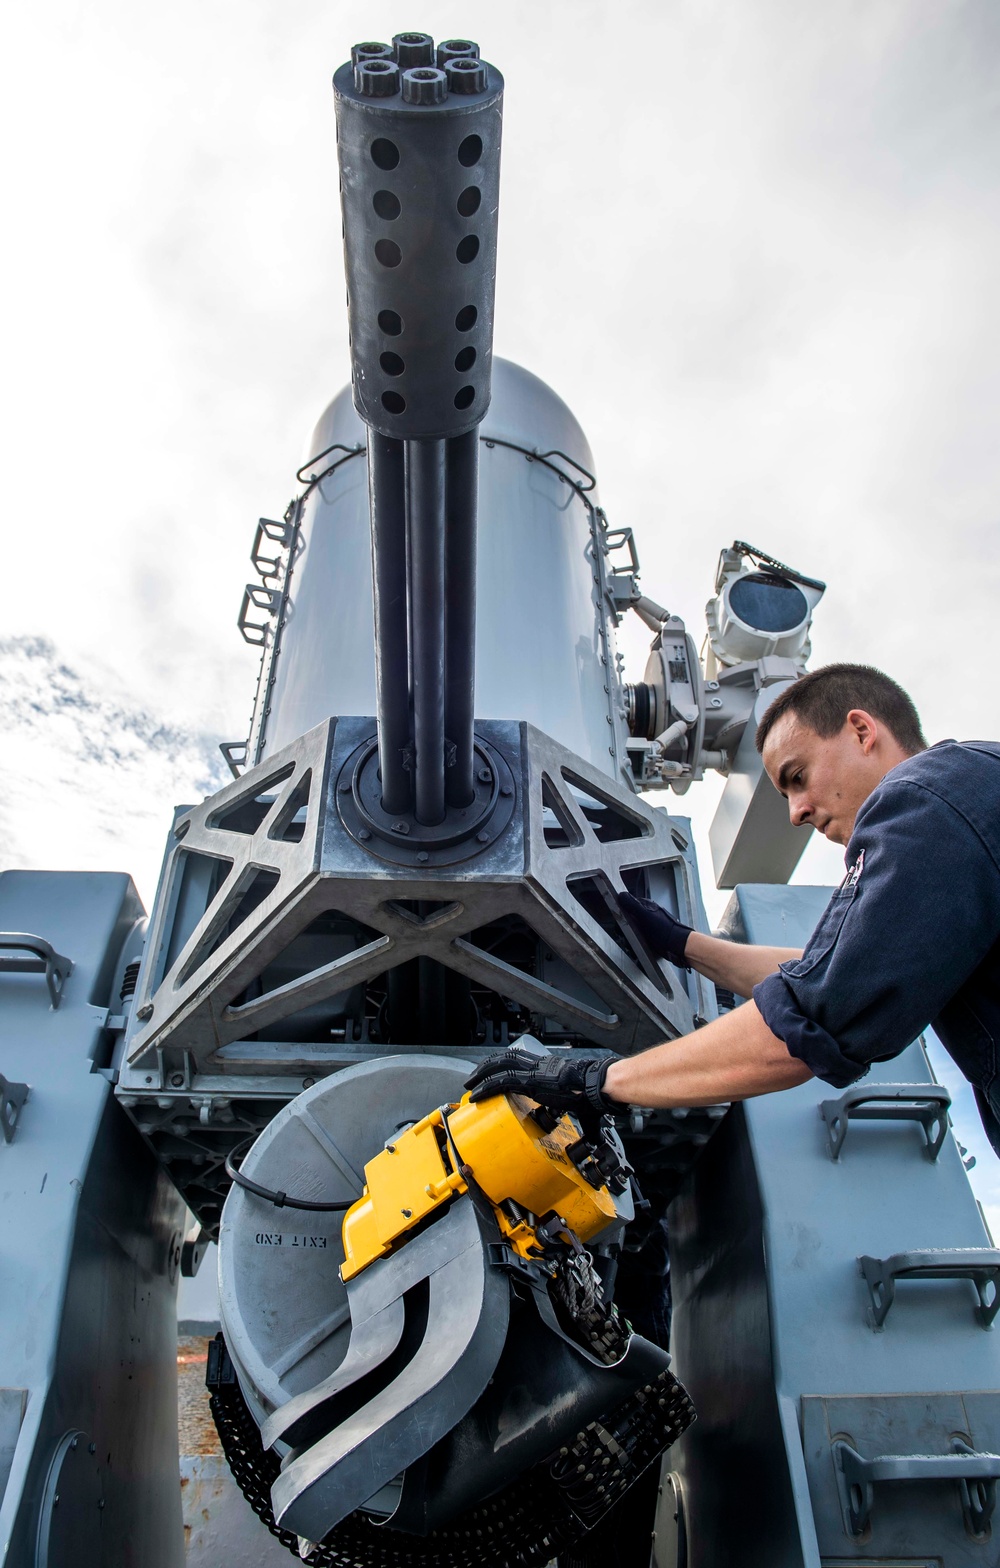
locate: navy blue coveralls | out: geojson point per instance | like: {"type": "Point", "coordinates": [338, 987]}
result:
{"type": "Point", "coordinates": [912, 935]}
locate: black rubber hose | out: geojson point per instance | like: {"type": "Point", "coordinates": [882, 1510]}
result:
{"type": "Point", "coordinates": [281, 1200]}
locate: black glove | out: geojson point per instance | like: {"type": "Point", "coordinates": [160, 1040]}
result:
{"type": "Point", "coordinates": [561, 1083]}
{"type": "Point", "coordinates": [665, 936]}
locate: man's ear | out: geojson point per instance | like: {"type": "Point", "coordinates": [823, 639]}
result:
{"type": "Point", "coordinates": [865, 727]}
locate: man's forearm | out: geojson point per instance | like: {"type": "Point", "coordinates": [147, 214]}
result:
{"type": "Point", "coordinates": [732, 1059]}
{"type": "Point", "coordinates": [733, 964]}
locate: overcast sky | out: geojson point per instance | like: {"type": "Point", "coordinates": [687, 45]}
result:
{"type": "Point", "coordinates": [754, 243]}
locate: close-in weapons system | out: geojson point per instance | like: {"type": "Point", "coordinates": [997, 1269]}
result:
{"type": "Point", "coordinates": [444, 1324]}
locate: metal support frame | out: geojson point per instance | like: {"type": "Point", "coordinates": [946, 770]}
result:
{"type": "Point", "coordinates": [189, 1019]}
{"type": "Point", "coordinates": [199, 1072]}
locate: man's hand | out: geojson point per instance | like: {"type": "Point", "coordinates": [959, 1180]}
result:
{"type": "Point", "coordinates": [562, 1083]}
{"type": "Point", "coordinates": [664, 935]}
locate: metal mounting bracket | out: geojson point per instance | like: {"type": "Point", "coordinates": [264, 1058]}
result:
{"type": "Point", "coordinates": [193, 1251]}
{"type": "Point", "coordinates": [977, 1475]}
{"type": "Point", "coordinates": [40, 958]}
{"type": "Point", "coordinates": [979, 1264]}
{"type": "Point", "coordinates": [257, 596]}
{"type": "Point", "coordinates": [12, 1097]}
{"type": "Point", "coordinates": [889, 1102]}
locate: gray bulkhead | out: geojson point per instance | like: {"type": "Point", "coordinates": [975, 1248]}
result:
{"type": "Point", "coordinates": [90, 1243]}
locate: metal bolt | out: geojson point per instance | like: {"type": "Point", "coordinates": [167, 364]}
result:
{"type": "Point", "coordinates": [390, 1148]}
{"type": "Point", "coordinates": [483, 837]}
{"type": "Point", "coordinates": [144, 1012]}
{"type": "Point", "coordinates": [505, 789]}
{"type": "Point", "coordinates": [484, 775]}
{"type": "Point", "coordinates": [149, 1078]}
{"type": "Point", "coordinates": [177, 1080]}
{"type": "Point", "coordinates": [345, 788]}
{"type": "Point", "coordinates": [307, 1083]}
{"type": "Point", "coordinates": [406, 1213]}
{"type": "Point", "coordinates": [75, 1443]}
{"type": "Point", "coordinates": [401, 827]}
{"type": "Point", "coordinates": [715, 702]}
{"type": "Point", "coordinates": [364, 835]}
{"type": "Point", "coordinates": [423, 855]}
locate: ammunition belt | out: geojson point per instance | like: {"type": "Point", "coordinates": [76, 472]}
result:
{"type": "Point", "coordinates": [548, 1509]}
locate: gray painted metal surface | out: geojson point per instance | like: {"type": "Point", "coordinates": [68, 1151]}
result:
{"type": "Point", "coordinates": [467, 1314]}
{"type": "Point", "coordinates": [221, 1530]}
{"type": "Point", "coordinates": [90, 1237]}
{"type": "Point", "coordinates": [775, 1332]}
{"type": "Point", "coordinates": [284, 1307]}
{"type": "Point", "coordinates": [545, 649]}
{"type": "Point", "coordinates": [751, 837]}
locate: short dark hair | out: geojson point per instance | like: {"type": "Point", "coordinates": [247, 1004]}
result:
{"type": "Point", "coordinates": [823, 699]}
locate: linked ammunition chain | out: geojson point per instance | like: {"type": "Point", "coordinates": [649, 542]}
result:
{"type": "Point", "coordinates": [577, 1289]}
{"type": "Point", "coordinates": [545, 1511]}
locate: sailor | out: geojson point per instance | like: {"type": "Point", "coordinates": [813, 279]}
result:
{"type": "Point", "coordinates": [910, 938]}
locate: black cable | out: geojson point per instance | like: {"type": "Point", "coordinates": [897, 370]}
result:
{"type": "Point", "coordinates": [281, 1200]}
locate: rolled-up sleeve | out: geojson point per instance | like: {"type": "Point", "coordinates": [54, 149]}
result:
{"type": "Point", "coordinates": [893, 947]}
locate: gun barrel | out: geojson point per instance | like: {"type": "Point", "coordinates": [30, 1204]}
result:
{"type": "Point", "coordinates": [419, 148]}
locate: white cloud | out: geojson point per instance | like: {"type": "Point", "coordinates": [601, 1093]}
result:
{"type": "Point", "coordinates": [89, 775]}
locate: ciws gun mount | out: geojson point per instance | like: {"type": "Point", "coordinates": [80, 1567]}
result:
{"type": "Point", "coordinates": [434, 1347]}
{"type": "Point", "coordinates": [384, 895]}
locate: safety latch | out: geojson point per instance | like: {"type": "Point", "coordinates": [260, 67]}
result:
{"type": "Point", "coordinates": [976, 1474]}
{"type": "Point", "coordinates": [981, 1265]}
{"type": "Point", "coordinates": [926, 1103]}
{"type": "Point", "coordinates": [35, 956]}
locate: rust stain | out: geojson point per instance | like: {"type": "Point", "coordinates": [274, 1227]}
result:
{"type": "Point", "coordinates": [196, 1429]}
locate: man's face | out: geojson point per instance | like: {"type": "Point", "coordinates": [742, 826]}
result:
{"type": "Point", "coordinates": [825, 780]}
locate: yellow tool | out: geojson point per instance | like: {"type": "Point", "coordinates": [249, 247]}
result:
{"type": "Point", "coordinates": [524, 1171]}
